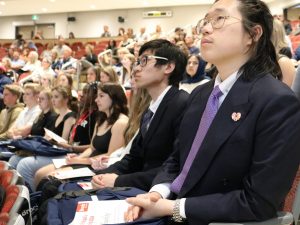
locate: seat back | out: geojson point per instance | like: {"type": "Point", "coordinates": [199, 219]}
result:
{"type": "Point", "coordinates": [17, 202]}
{"type": "Point", "coordinates": [3, 165]}
{"type": "Point", "coordinates": [292, 200]}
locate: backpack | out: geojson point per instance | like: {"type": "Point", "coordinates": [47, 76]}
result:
{"type": "Point", "coordinates": [37, 145]}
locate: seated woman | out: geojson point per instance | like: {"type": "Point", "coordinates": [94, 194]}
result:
{"type": "Point", "coordinates": [139, 102]}
{"type": "Point", "coordinates": [36, 74]}
{"type": "Point", "coordinates": [108, 74]}
{"type": "Point", "coordinates": [286, 64]}
{"type": "Point", "coordinates": [127, 62]}
{"type": "Point", "coordinates": [93, 74]}
{"type": "Point", "coordinates": [109, 130]}
{"type": "Point", "coordinates": [47, 117]}
{"type": "Point", "coordinates": [82, 131]}
{"type": "Point", "coordinates": [27, 166]}
{"type": "Point", "coordinates": [194, 74]}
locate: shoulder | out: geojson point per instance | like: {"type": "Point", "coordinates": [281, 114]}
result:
{"type": "Point", "coordinates": [268, 91]}
{"type": "Point", "coordinates": [176, 96]}
{"type": "Point", "coordinates": [70, 115]}
{"type": "Point", "coordinates": [120, 124]}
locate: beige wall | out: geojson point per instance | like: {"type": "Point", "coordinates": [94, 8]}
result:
{"type": "Point", "coordinates": [90, 24]}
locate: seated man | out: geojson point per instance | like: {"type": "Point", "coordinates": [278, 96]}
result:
{"type": "Point", "coordinates": [237, 150]}
{"type": "Point", "coordinates": [8, 116]}
{"type": "Point", "coordinates": [22, 126]}
{"type": "Point", "coordinates": [159, 69]}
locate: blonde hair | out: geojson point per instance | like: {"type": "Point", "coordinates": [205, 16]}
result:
{"type": "Point", "coordinates": [14, 89]}
{"type": "Point", "coordinates": [140, 102]}
{"type": "Point", "coordinates": [278, 35]}
{"type": "Point", "coordinates": [35, 88]}
{"type": "Point", "coordinates": [111, 73]}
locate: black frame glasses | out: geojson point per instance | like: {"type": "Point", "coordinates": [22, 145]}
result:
{"type": "Point", "coordinates": [217, 22]}
{"type": "Point", "coordinates": [142, 61]}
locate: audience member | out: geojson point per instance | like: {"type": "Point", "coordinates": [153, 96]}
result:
{"type": "Point", "coordinates": [109, 130]}
{"type": "Point", "coordinates": [224, 169]}
{"type": "Point", "coordinates": [159, 69]}
{"type": "Point", "coordinates": [60, 47]}
{"type": "Point", "coordinates": [93, 74]}
{"type": "Point", "coordinates": [81, 134]}
{"type": "Point", "coordinates": [37, 73]}
{"type": "Point", "coordinates": [142, 36]}
{"type": "Point", "coordinates": [71, 35]}
{"type": "Point", "coordinates": [38, 35]}
{"type": "Point", "coordinates": [108, 75]}
{"type": "Point", "coordinates": [11, 95]}
{"type": "Point", "coordinates": [125, 77]}
{"type": "Point", "coordinates": [106, 32]}
{"type": "Point", "coordinates": [189, 41]}
{"type": "Point", "coordinates": [90, 56]}
{"type": "Point", "coordinates": [4, 80]}
{"type": "Point", "coordinates": [23, 124]}
{"type": "Point", "coordinates": [194, 74]}
{"type": "Point", "coordinates": [285, 62]}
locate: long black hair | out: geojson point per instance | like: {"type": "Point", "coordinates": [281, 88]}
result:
{"type": "Point", "coordinates": [263, 58]}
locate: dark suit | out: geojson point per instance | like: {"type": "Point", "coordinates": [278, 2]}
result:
{"type": "Point", "coordinates": [244, 169]}
{"type": "Point", "coordinates": [139, 167]}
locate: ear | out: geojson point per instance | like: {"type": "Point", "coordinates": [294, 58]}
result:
{"type": "Point", "coordinates": [258, 31]}
{"type": "Point", "coordinates": [169, 68]}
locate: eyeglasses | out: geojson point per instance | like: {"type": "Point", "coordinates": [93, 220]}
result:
{"type": "Point", "coordinates": [142, 61]}
{"type": "Point", "coordinates": [217, 22]}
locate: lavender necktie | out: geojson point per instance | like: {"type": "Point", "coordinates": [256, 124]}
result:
{"type": "Point", "coordinates": [205, 122]}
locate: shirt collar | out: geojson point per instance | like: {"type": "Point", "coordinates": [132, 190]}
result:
{"type": "Point", "coordinates": [226, 84]}
{"type": "Point", "coordinates": [154, 105]}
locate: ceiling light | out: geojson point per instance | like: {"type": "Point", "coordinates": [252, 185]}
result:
{"type": "Point", "coordinates": [44, 9]}
{"type": "Point", "coordinates": [52, 0]}
{"type": "Point", "coordinates": [92, 6]}
{"type": "Point", "coordinates": [2, 3]}
{"type": "Point", "coordinates": [0, 13]}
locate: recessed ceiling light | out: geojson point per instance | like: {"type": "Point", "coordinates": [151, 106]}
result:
{"type": "Point", "coordinates": [44, 9]}
{"type": "Point", "coordinates": [2, 3]}
{"type": "Point", "coordinates": [92, 6]}
{"type": "Point", "coordinates": [52, 0]}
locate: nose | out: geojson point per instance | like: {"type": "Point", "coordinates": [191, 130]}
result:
{"type": "Point", "coordinates": [207, 28]}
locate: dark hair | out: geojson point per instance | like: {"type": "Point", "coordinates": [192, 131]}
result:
{"type": "Point", "coordinates": [263, 55]}
{"type": "Point", "coordinates": [90, 91]}
{"type": "Point", "coordinates": [200, 73]}
{"type": "Point", "coordinates": [164, 48]}
{"type": "Point", "coordinates": [119, 102]}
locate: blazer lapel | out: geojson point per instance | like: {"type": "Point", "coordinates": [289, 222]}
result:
{"type": "Point", "coordinates": [231, 114]}
{"type": "Point", "coordinates": [159, 114]}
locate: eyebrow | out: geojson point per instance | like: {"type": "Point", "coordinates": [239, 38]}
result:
{"type": "Point", "coordinates": [217, 10]}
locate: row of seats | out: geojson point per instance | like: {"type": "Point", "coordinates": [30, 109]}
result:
{"type": "Point", "coordinates": [14, 198]}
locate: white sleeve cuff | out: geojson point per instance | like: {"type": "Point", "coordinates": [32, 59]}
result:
{"type": "Point", "coordinates": [182, 208]}
{"type": "Point", "coordinates": [163, 189]}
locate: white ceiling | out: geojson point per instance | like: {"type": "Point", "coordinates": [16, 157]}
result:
{"type": "Point", "coordinates": [28, 7]}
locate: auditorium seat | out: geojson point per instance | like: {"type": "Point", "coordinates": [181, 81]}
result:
{"type": "Point", "coordinates": [16, 202]}
{"type": "Point", "coordinates": [3, 165]}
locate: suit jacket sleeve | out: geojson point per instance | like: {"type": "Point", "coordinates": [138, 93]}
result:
{"type": "Point", "coordinates": [274, 162]}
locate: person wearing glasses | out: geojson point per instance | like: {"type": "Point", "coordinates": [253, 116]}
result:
{"type": "Point", "coordinates": [158, 69]}
{"type": "Point", "coordinates": [237, 150]}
